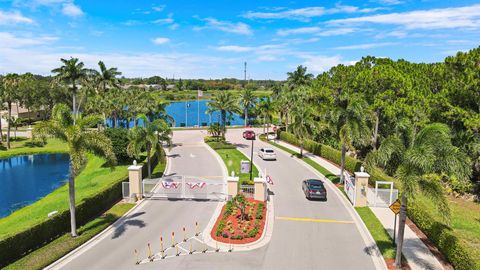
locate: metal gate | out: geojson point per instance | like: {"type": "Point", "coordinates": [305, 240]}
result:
{"type": "Point", "coordinates": [185, 187]}
{"type": "Point", "coordinates": [382, 197]}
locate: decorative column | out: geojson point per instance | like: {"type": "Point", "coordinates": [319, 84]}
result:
{"type": "Point", "coordinates": [361, 186]}
{"type": "Point", "coordinates": [135, 180]}
{"type": "Point", "coordinates": [260, 189]}
{"type": "Point", "coordinates": [232, 186]}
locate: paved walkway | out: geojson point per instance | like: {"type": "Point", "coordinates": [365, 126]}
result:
{"type": "Point", "coordinates": [415, 251]}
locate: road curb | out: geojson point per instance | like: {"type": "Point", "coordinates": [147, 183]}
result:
{"type": "Point", "coordinates": [376, 255]}
{"type": "Point", "coordinates": [85, 246]}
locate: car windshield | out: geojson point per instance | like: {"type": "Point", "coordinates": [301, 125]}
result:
{"type": "Point", "coordinates": [269, 151]}
{"type": "Point", "coordinates": [316, 185]}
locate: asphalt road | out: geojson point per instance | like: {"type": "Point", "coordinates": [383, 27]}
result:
{"type": "Point", "coordinates": [306, 234]}
{"type": "Point", "coordinates": [154, 218]}
{"type": "Point", "coordinates": [322, 242]}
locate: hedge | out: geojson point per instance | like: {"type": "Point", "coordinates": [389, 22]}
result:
{"type": "Point", "coordinates": [14, 247]}
{"type": "Point", "coordinates": [119, 138]}
{"type": "Point", "coordinates": [437, 232]}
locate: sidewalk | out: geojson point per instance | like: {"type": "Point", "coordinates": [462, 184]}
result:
{"type": "Point", "coordinates": [415, 251]}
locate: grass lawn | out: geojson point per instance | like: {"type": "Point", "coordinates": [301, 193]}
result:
{"type": "Point", "coordinates": [23, 146]}
{"type": "Point", "coordinates": [65, 243]}
{"type": "Point", "coordinates": [91, 180]}
{"type": "Point", "coordinates": [383, 240]}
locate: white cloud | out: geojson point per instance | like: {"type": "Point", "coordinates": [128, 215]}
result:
{"type": "Point", "coordinates": [235, 48]}
{"type": "Point", "coordinates": [304, 14]}
{"type": "Point", "coordinates": [160, 40]}
{"type": "Point", "coordinates": [226, 26]}
{"type": "Point", "coordinates": [164, 21]}
{"type": "Point", "coordinates": [301, 30]}
{"type": "Point", "coordinates": [174, 26]}
{"type": "Point", "coordinates": [389, 2]}
{"type": "Point", "coordinates": [336, 32]}
{"type": "Point", "coordinates": [13, 17]}
{"type": "Point", "coordinates": [71, 10]}
{"type": "Point", "coordinates": [11, 41]}
{"type": "Point", "coordinates": [365, 46]}
{"type": "Point", "coordinates": [159, 8]}
{"type": "Point", "coordinates": [443, 18]}
{"type": "Point", "coordinates": [322, 63]}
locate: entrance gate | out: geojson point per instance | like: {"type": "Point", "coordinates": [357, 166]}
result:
{"type": "Point", "coordinates": [185, 187]}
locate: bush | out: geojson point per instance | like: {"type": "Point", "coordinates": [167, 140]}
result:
{"type": "Point", "coordinates": [443, 237]}
{"type": "Point", "coordinates": [119, 138]}
{"type": "Point", "coordinates": [221, 145]}
{"type": "Point", "coordinates": [14, 247]}
{"type": "Point", "coordinates": [236, 237]}
{"type": "Point", "coordinates": [221, 226]}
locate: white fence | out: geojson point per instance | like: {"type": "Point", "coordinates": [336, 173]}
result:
{"type": "Point", "coordinates": [185, 187]}
{"type": "Point", "coordinates": [247, 190]}
{"type": "Point", "coordinates": [382, 197]}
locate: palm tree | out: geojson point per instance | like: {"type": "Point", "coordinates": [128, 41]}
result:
{"type": "Point", "coordinates": [349, 120]}
{"type": "Point", "coordinates": [265, 111]}
{"type": "Point", "coordinates": [79, 141]}
{"type": "Point", "coordinates": [224, 102]}
{"type": "Point", "coordinates": [247, 99]}
{"type": "Point", "coordinates": [150, 137]}
{"type": "Point", "coordinates": [72, 71]}
{"type": "Point", "coordinates": [299, 77]}
{"type": "Point", "coordinates": [11, 84]}
{"type": "Point", "coordinates": [303, 123]}
{"type": "Point", "coordinates": [419, 162]}
{"type": "Point", "coordinates": [107, 77]}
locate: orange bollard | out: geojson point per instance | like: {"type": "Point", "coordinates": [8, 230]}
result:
{"type": "Point", "coordinates": [173, 239]}
{"type": "Point", "coordinates": [136, 257]}
{"type": "Point", "coordinates": [196, 229]}
{"type": "Point", "coordinates": [191, 248]}
{"type": "Point", "coordinates": [162, 250]}
{"type": "Point", "coordinates": [150, 252]}
{"type": "Point", "coordinates": [184, 235]}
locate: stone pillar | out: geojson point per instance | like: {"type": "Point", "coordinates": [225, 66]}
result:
{"type": "Point", "coordinates": [135, 180]}
{"type": "Point", "coordinates": [260, 189]}
{"type": "Point", "coordinates": [232, 186]}
{"type": "Point", "coordinates": [361, 186]}
{"type": "Point", "coordinates": [29, 133]}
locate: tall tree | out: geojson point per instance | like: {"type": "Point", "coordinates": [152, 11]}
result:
{"type": "Point", "coordinates": [247, 99]}
{"type": "Point", "coordinates": [11, 83]}
{"type": "Point", "coordinates": [265, 110]}
{"type": "Point", "coordinates": [224, 103]}
{"type": "Point", "coordinates": [71, 72]}
{"type": "Point", "coordinates": [299, 77]}
{"type": "Point", "coordinates": [107, 77]}
{"type": "Point", "coordinates": [79, 141]}
{"type": "Point", "coordinates": [419, 162]}
{"type": "Point", "coordinates": [151, 136]}
{"type": "Point", "coordinates": [303, 124]}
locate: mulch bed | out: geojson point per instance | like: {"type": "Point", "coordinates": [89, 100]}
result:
{"type": "Point", "coordinates": [236, 231]}
{"type": "Point", "coordinates": [440, 257]}
{"type": "Point", "coordinates": [391, 262]}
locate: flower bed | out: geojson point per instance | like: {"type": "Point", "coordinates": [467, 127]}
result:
{"type": "Point", "coordinates": [235, 227]}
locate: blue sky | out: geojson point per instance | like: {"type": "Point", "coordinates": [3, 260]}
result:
{"type": "Point", "coordinates": [212, 39]}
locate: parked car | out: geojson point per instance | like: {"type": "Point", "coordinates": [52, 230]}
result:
{"type": "Point", "coordinates": [267, 154]}
{"type": "Point", "coordinates": [314, 189]}
{"type": "Point", "coordinates": [249, 135]}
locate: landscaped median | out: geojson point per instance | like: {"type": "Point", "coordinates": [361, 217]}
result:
{"type": "Point", "coordinates": [241, 221]}
{"type": "Point", "coordinates": [458, 242]}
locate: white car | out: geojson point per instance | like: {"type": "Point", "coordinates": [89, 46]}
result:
{"type": "Point", "coordinates": [267, 154]}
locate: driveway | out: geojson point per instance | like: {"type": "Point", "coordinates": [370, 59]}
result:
{"type": "Point", "coordinates": [154, 218]}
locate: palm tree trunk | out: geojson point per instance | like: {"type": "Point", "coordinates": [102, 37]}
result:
{"type": "Point", "coordinates": [71, 195]}
{"type": "Point", "coordinates": [246, 117]}
{"type": "Point", "coordinates": [1, 131]}
{"type": "Point", "coordinates": [224, 123]}
{"type": "Point", "coordinates": [104, 119]}
{"type": "Point", "coordinates": [342, 169]}
{"type": "Point", "coordinates": [286, 121]}
{"type": "Point", "coordinates": [148, 163]}
{"type": "Point", "coordinates": [401, 231]}
{"type": "Point", "coordinates": [9, 122]}
{"type": "Point", "coordinates": [74, 103]}
{"type": "Point", "coordinates": [375, 132]}
{"type": "Point", "coordinates": [263, 124]}
{"type": "Point", "coordinates": [301, 149]}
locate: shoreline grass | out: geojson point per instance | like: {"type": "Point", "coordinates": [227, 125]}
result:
{"type": "Point", "coordinates": [61, 246]}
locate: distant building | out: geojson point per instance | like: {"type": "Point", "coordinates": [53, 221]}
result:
{"type": "Point", "coordinates": [21, 112]}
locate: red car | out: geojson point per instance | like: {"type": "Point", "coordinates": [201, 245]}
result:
{"type": "Point", "coordinates": [249, 135]}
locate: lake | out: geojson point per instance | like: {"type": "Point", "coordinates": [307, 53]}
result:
{"type": "Point", "coordinates": [26, 179]}
{"type": "Point", "coordinates": [192, 113]}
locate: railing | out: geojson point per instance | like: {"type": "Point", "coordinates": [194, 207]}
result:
{"type": "Point", "coordinates": [247, 190]}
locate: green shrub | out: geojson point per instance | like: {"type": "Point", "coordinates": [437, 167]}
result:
{"type": "Point", "coordinates": [119, 138]}
{"type": "Point", "coordinates": [236, 237]}
{"type": "Point", "coordinates": [221, 226]}
{"type": "Point", "coordinates": [221, 145]}
{"type": "Point", "coordinates": [443, 237]}
{"type": "Point", "coordinates": [15, 246]}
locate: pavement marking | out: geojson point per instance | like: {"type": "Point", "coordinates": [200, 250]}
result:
{"type": "Point", "coordinates": [316, 220]}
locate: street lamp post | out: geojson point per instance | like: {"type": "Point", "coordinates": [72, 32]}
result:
{"type": "Point", "coordinates": [251, 158]}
